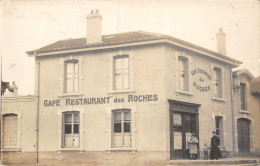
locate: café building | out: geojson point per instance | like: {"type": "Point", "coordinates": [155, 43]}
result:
{"type": "Point", "coordinates": [131, 98]}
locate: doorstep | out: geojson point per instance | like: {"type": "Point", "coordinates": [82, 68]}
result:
{"type": "Point", "coordinates": [234, 160]}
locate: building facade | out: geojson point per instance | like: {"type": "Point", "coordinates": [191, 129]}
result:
{"type": "Point", "coordinates": [125, 99]}
{"type": "Point", "coordinates": [246, 113]}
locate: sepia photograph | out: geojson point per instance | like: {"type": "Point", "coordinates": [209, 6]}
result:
{"type": "Point", "coordinates": [130, 83]}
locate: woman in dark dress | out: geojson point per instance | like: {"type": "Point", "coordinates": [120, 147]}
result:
{"type": "Point", "coordinates": [215, 151]}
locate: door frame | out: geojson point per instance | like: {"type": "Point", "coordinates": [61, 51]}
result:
{"type": "Point", "coordinates": [176, 106]}
{"type": "Point", "coordinates": [242, 152]}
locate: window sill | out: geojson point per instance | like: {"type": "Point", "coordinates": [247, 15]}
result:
{"type": "Point", "coordinates": [188, 93]}
{"type": "Point", "coordinates": [70, 149]}
{"type": "Point", "coordinates": [11, 150]}
{"type": "Point", "coordinates": [70, 95]}
{"type": "Point", "coordinates": [219, 99]}
{"type": "Point", "coordinates": [133, 150]}
{"type": "Point", "coordinates": [244, 112]}
{"type": "Point", "coordinates": [121, 91]}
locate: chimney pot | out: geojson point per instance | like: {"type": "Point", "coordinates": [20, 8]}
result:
{"type": "Point", "coordinates": [221, 42]}
{"type": "Point", "coordinates": [94, 28]}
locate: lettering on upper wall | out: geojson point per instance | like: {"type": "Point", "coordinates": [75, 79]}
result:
{"type": "Point", "coordinates": [101, 100]}
{"type": "Point", "coordinates": [202, 83]}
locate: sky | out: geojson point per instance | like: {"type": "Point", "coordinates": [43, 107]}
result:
{"type": "Point", "coordinates": [28, 25]}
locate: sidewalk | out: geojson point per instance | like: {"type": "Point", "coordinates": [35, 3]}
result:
{"type": "Point", "coordinates": [223, 161]}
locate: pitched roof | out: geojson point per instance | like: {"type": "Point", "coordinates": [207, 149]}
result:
{"type": "Point", "coordinates": [243, 71]}
{"type": "Point", "coordinates": [255, 86]}
{"type": "Point", "coordinates": [112, 39]}
{"type": "Point", "coordinates": [120, 38]}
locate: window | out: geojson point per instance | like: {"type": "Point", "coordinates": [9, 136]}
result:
{"type": "Point", "coordinates": [71, 129]}
{"type": "Point", "coordinates": [219, 128]}
{"type": "Point", "coordinates": [10, 131]}
{"type": "Point", "coordinates": [121, 124]}
{"type": "Point", "coordinates": [243, 96]}
{"type": "Point", "coordinates": [71, 76]}
{"type": "Point", "coordinates": [183, 73]}
{"type": "Point", "coordinates": [121, 77]}
{"type": "Point", "coordinates": [217, 82]}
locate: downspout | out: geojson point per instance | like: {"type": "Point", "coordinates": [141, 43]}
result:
{"type": "Point", "coordinates": [232, 111]}
{"type": "Point", "coordinates": [37, 107]}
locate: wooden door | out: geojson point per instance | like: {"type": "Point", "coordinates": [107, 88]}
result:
{"type": "Point", "coordinates": [243, 132]}
{"type": "Point", "coordinates": [181, 128]}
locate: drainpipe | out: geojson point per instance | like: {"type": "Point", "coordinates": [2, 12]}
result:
{"type": "Point", "coordinates": [232, 110]}
{"type": "Point", "coordinates": [37, 85]}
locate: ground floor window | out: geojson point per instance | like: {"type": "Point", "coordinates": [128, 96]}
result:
{"type": "Point", "coordinates": [9, 130]}
{"type": "Point", "coordinates": [121, 124]}
{"type": "Point", "coordinates": [71, 134]}
{"type": "Point", "coordinates": [219, 128]}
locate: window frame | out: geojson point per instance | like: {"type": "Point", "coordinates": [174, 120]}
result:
{"type": "Point", "coordinates": [244, 107]}
{"type": "Point", "coordinates": [219, 129]}
{"type": "Point", "coordinates": [4, 130]}
{"type": "Point", "coordinates": [17, 147]}
{"type": "Point", "coordinates": [111, 71]}
{"type": "Point", "coordinates": [74, 77]}
{"type": "Point", "coordinates": [122, 133]}
{"type": "Point", "coordinates": [121, 72]}
{"type": "Point", "coordinates": [72, 113]}
{"type": "Point", "coordinates": [62, 77]}
{"type": "Point", "coordinates": [223, 86]}
{"type": "Point", "coordinates": [60, 129]}
{"type": "Point", "coordinates": [181, 56]}
{"type": "Point", "coordinates": [109, 129]}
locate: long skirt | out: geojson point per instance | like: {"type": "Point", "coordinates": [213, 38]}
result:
{"type": "Point", "coordinates": [193, 149]}
{"type": "Point", "coordinates": [215, 153]}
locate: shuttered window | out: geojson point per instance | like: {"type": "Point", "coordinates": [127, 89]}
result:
{"type": "Point", "coordinates": [121, 71]}
{"type": "Point", "coordinates": [71, 76]}
{"type": "Point", "coordinates": [121, 124]}
{"type": "Point", "coordinates": [71, 129]}
{"type": "Point", "coordinates": [218, 82]}
{"type": "Point", "coordinates": [183, 73]}
{"type": "Point", "coordinates": [10, 130]}
{"type": "Point", "coordinates": [243, 96]}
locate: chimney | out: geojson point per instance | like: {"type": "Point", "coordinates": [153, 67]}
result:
{"type": "Point", "coordinates": [14, 87]}
{"type": "Point", "coordinates": [221, 42]}
{"type": "Point", "coordinates": [94, 27]}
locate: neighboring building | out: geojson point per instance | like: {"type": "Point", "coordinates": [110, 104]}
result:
{"type": "Point", "coordinates": [18, 133]}
{"type": "Point", "coordinates": [126, 99]}
{"type": "Point", "coordinates": [246, 113]}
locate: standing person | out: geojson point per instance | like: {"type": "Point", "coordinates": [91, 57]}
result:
{"type": "Point", "coordinates": [215, 151]}
{"type": "Point", "coordinates": [193, 141]}
{"type": "Point", "coordinates": [206, 151]}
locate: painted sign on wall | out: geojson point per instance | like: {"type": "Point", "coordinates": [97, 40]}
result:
{"type": "Point", "coordinates": [202, 84]}
{"type": "Point", "coordinates": [102, 100]}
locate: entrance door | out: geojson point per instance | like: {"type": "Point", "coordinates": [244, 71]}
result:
{"type": "Point", "coordinates": [182, 126]}
{"type": "Point", "coordinates": [243, 136]}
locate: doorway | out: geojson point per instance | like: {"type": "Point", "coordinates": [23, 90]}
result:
{"type": "Point", "coordinates": [243, 132]}
{"type": "Point", "coordinates": [183, 122]}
